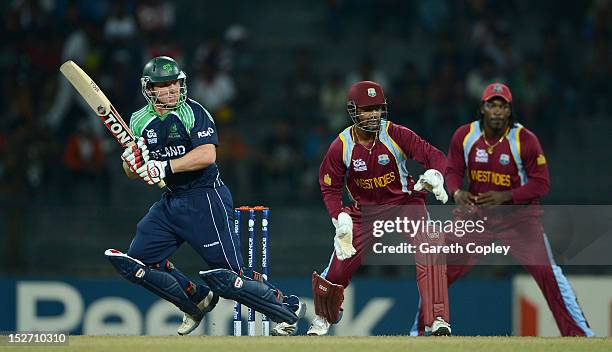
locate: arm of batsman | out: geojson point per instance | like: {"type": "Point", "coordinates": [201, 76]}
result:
{"type": "Point", "coordinates": [433, 181]}
{"type": "Point", "coordinates": [343, 240]}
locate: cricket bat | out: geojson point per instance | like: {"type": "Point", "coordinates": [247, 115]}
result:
{"type": "Point", "coordinates": [100, 104]}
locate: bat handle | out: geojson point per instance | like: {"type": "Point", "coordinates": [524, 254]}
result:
{"type": "Point", "coordinates": [161, 184]}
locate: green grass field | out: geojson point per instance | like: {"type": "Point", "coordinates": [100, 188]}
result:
{"type": "Point", "coordinates": [322, 344]}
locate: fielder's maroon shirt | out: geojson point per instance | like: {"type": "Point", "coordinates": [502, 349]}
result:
{"type": "Point", "coordinates": [517, 164]}
{"type": "Point", "coordinates": [378, 176]}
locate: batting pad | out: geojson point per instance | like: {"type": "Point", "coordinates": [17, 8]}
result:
{"type": "Point", "coordinates": [159, 282]}
{"type": "Point", "coordinates": [258, 295]}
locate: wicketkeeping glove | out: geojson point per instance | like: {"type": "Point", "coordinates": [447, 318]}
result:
{"type": "Point", "coordinates": [433, 181]}
{"type": "Point", "coordinates": [154, 171]}
{"type": "Point", "coordinates": [137, 155]}
{"type": "Point", "coordinates": [343, 241]}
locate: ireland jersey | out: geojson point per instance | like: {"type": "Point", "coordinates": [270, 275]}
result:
{"type": "Point", "coordinates": [176, 133]}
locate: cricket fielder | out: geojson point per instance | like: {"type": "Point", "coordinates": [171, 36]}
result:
{"type": "Point", "coordinates": [505, 165]}
{"type": "Point", "coordinates": [371, 155]}
{"type": "Point", "coordinates": [177, 141]}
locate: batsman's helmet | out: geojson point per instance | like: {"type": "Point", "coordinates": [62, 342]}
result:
{"type": "Point", "coordinates": [366, 94]}
{"type": "Point", "coordinates": [162, 69]}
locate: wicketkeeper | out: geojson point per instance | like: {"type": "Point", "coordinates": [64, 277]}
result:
{"type": "Point", "coordinates": [369, 159]}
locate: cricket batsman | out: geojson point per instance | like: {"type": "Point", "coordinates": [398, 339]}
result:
{"type": "Point", "coordinates": [507, 175]}
{"type": "Point", "coordinates": [368, 158]}
{"type": "Point", "coordinates": [177, 141]}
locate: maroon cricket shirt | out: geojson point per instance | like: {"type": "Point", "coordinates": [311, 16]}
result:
{"type": "Point", "coordinates": [517, 164]}
{"type": "Point", "coordinates": [378, 176]}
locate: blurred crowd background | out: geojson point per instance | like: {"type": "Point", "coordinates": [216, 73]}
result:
{"type": "Point", "coordinates": [274, 74]}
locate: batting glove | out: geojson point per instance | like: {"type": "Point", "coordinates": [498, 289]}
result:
{"type": "Point", "coordinates": [154, 171]}
{"type": "Point", "coordinates": [136, 155]}
{"type": "Point", "coordinates": [343, 241]}
{"type": "Point", "coordinates": [433, 181]}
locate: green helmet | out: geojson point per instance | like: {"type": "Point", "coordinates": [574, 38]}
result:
{"type": "Point", "coordinates": [162, 69]}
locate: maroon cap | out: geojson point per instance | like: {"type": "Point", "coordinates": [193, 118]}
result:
{"type": "Point", "coordinates": [366, 93]}
{"type": "Point", "coordinates": [497, 90]}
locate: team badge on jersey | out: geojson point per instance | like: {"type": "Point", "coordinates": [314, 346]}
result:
{"type": "Point", "coordinates": [481, 156]}
{"type": "Point", "coordinates": [151, 136]}
{"type": "Point", "coordinates": [174, 134]}
{"type": "Point", "coordinates": [504, 159]}
{"type": "Point", "coordinates": [327, 180]}
{"type": "Point", "coordinates": [360, 165]}
{"type": "Point", "coordinates": [541, 160]}
{"type": "Point", "coordinates": [383, 159]}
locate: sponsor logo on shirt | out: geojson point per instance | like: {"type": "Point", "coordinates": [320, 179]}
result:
{"type": "Point", "coordinates": [504, 159]}
{"type": "Point", "coordinates": [327, 180]}
{"type": "Point", "coordinates": [481, 156]}
{"type": "Point", "coordinates": [376, 182]}
{"type": "Point", "coordinates": [151, 136]}
{"type": "Point", "coordinates": [360, 165]}
{"type": "Point", "coordinates": [383, 159]}
{"type": "Point", "coordinates": [206, 133]}
{"type": "Point", "coordinates": [541, 159]}
{"type": "Point", "coordinates": [486, 176]}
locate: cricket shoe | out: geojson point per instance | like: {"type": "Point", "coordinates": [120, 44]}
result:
{"type": "Point", "coordinates": [440, 327]}
{"type": "Point", "coordinates": [287, 329]}
{"type": "Point", "coordinates": [206, 305]}
{"type": "Point", "coordinates": [318, 327]}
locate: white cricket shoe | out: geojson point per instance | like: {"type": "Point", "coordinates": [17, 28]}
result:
{"type": "Point", "coordinates": [286, 329]}
{"type": "Point", "coordinates": [318, 327]}
{"type": "Point", "coordinates": [206, 305]}
{"type": "Point", "coordinates": [440, 327]}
